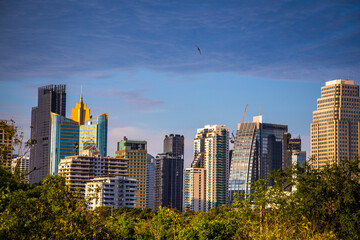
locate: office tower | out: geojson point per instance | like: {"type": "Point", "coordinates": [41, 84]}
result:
{"type": "Point", "coordinates": [70, 136]}
{"type": "Point", "coordinates": [113, 192]}
{"type": "Point", "coordinates": [258, 151]}
{"type": "Point", "coordinates": [211, 153]}
{"type": "Point", "coordinates": [150, 182]}
{"type": "Point", "coordinates": [23, 163]}
{"type": "Point", "coordinates": [169, 168]}
{"type": "Point", "coordinates": [136, 154]}
{"type": "Point", "coordinates": [6, 144]}
{"type": "Point", "coordinates": [51, 98]}
{"type": "Point", "coordinates": [335, 126]}
{"type": "Point", "coordinates": [78, 170]}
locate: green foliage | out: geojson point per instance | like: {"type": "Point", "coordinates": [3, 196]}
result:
{"type": "Point", "coordinates": [330, 198]}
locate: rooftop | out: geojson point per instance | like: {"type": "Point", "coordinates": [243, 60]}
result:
{"type": "Point", "coordinates": [340, 81]}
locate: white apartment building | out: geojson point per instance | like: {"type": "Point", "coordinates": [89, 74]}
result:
{"type": "Point", "coordinates": [113, 192]}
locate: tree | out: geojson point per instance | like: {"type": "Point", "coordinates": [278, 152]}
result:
{"type": "Point", "coordinates": [15, 138]}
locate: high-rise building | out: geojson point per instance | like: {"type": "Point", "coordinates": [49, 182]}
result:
{"type": "Point", "coordinates": [335, 126]}
{"type": "Point", "coordinates": [51, 98]}
{"type": "Point", "coordinates": [116, 192]}
{"type": "Point", "coordinates": [259, 149]}
{"type": "Point", "coordinates": [136, 154]}
{"type": "Point", "coordinates": [169, 168]}
{"type": "Point", "coordinates": [6, 144]}
{"type": "Point", "coordinates": [78, 170]}
{"type": "Point", "coordinates": [70, 136]}
{"type": "Point", "coordinates": [211, 153]}
{"type": "Point", "coordinates": [150, 182]}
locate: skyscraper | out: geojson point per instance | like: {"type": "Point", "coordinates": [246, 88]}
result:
{"type": "Point", "coordinates": [70, 136]}
{"type": "Point", "coordinates": [169, 168]}
{"type": "Point", "coordinates": [136, 154]}
{"type": "Point", "coordinates": [211, 159]}
{"type": "Point", "coordinates": [335, 126]}
{"type": "Point", "coordinates": [258, 151]}
{"type": "Point", "coordinates": [51, 98]}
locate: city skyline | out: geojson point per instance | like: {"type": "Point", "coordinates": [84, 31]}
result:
{"type": "Point", "coordinates": [138, 61]}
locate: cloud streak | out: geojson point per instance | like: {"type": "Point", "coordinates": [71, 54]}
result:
{"type": "Point", "coordinates": [133, 99]}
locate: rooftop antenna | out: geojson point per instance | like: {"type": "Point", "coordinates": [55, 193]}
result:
{"type": "Point", "coordinates": [81, 97]}
{"type": "Point", "coordinates": [260, 109]}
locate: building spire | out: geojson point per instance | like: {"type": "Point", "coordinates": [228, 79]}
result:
{"type": "Point", "coordinates": [80, 113]}
{"type": "Point", "coordinates": [81, 97]}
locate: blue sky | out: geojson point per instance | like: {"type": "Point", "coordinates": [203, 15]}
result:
{"type": "Point", "coordinates": [137, 61]}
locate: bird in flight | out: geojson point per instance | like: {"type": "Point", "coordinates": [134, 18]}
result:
{"type": "Point", "coordinates": [198, 49]}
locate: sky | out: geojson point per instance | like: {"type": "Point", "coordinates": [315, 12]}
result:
{"type": "Point", "coordinates": [138, 61]}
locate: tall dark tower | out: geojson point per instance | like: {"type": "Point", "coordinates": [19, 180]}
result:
{"type": "Point", "coordinates": [169, 168]}
{"type": "Point", "coordinates": [51, 98]}
{"type": "Point", "coordinates": [174, 144]}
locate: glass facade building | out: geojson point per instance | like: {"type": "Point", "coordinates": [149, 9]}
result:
{"type": "Point", "coordinates": [259, 150]}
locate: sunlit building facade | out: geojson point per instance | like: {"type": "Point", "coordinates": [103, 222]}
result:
{"type": "Point", "coordinates": [116, 192]}
{"type": "Point", "coordinates": [194, 189]}
{"type": "Point", "coordinates": [135, 152]}
{"type": "Point", "coordinates": [335, 126]}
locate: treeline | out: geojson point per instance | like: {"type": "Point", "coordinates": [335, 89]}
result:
{"type": "Point", "coordinates": [325, 205]}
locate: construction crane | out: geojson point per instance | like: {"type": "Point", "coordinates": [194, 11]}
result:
{"type": "Point", "coordinates": [233, 136]}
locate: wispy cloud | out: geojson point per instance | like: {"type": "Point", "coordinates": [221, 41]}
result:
{"type": "Point", "coordinates": [134, 99]}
